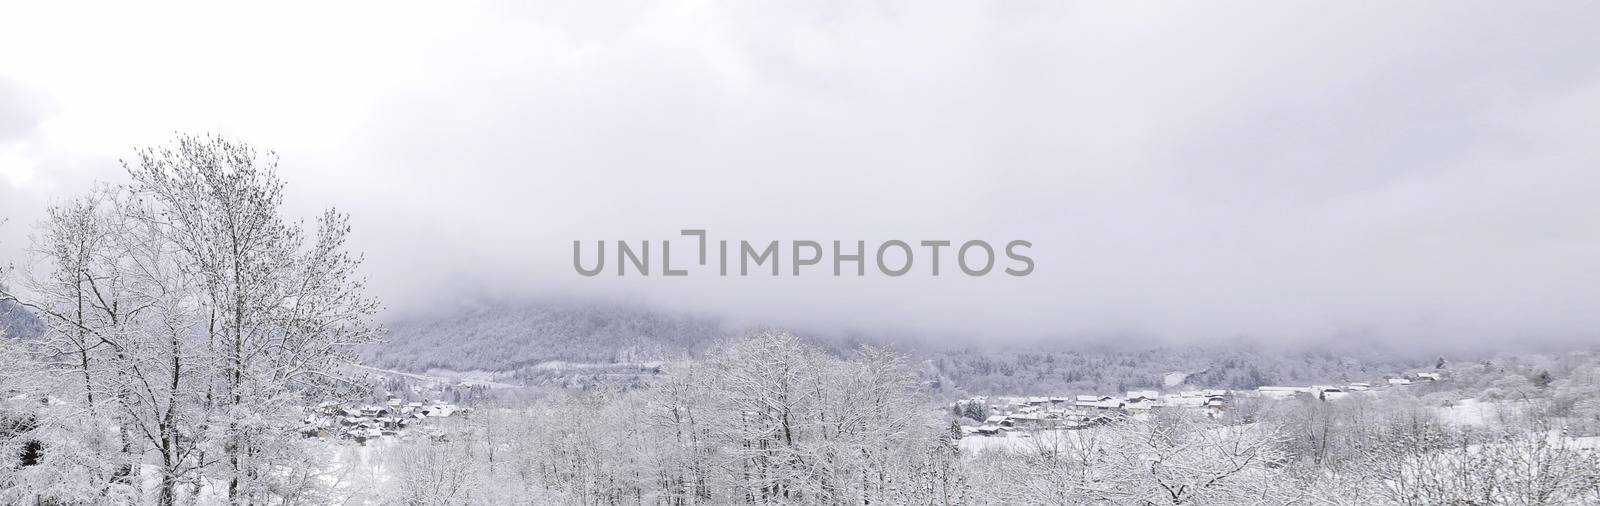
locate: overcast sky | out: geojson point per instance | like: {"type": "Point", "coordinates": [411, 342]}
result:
{"type": "Point", "coordinates": [1274, 170]}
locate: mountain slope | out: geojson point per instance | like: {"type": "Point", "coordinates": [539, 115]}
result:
{"type": "Point", "coordinates": [15, 321]}
{"type": "Point", "coordinates": [511, 336]}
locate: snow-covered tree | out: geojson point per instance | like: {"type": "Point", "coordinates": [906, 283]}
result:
{"type": "Point", "coordinates": [195, 322]}
{"type": "Point", "coordinates": [280, 315]}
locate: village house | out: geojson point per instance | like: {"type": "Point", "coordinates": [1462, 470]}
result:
{"type": "Point", "coordinates": [1143, 395]}
{"type": "Point", "coordinates": [1143, 400]}
{"type": "Point", "coordinates": [1328, 393]}
{"type": "Point", "coordinates": [1276, 392]}
{"type": "Point", "coordinates": [1092, 403]}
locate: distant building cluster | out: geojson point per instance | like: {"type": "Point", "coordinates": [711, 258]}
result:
{"type": "Point", "coordinates": [1006, 414]}
{"type": "Point", "coordinates": [395, 418]}
{"type": "Point", "coordinates": [1421, 377]}
{"type": "Point", "coordinates": [1083, 411]}
{"type": "Point", "coordinates": [1334, 392]}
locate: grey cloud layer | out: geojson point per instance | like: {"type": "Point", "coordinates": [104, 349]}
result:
{"type": "Point", "coordinates": [1277, 170]}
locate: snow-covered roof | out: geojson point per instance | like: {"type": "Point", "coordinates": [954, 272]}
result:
{"type": "Point", "coordinates": [1186, 401]}
{"type": "Point", "coordinates": [440, 410]}
{"type": "Point", "coordinates": [1101, 403]}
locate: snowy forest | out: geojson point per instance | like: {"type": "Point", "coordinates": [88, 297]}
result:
{"type": "Point", "coordinates": [175, 338]}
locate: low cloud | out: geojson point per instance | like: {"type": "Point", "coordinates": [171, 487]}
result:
{"type": "Point", "coordinates": [1305, 172]}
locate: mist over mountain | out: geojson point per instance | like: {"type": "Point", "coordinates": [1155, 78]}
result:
{"type": "Point", "coordinates": [504, 336]}
{"type": "Point", "coordinates": [535, 341]}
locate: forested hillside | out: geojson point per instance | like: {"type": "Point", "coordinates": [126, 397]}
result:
{"type": "Point", "coordinates": [1109, 369]}
{"type": "Point", "coordinates": [513, 338]}
{"type": "Point", "coordinates": [509, 336]}
{"type": "Point", "coordinates": [15, 321]}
